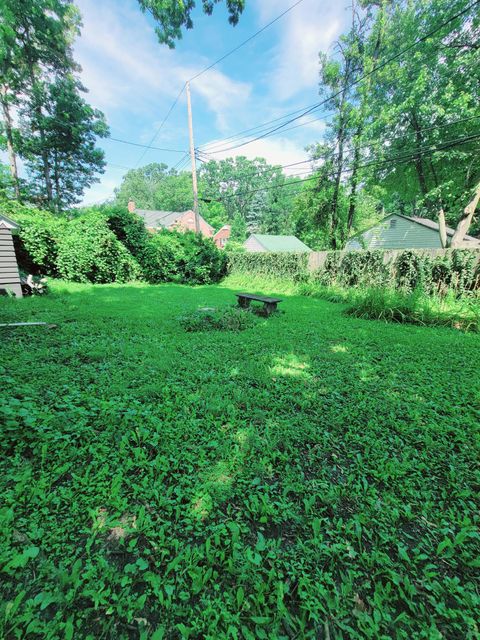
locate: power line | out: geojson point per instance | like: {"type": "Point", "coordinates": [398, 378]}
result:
{"type": "Point", "coordinates": [402, 158]}
{"type": "Point", "coordinates": [145, 146]}
{"type": "Point", "coordinates": [260, 126]}
{"type": "Point", "coordinates": [369, 144]}
{"type": "Point", "coordinates": [229, 53]}
{"type": "Point", "coordinates": [181, 164]}
{"type": "Point", "coordinates": [149, 146]}
{"type": "Point", "coordinates": [358, 80]}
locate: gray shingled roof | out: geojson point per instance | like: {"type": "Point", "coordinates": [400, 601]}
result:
{"type": "Point", "coordinates": [8, 223]}
{"type": "Point", "coordinates": [155, 219]}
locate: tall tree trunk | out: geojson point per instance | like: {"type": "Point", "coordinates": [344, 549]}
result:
{"type": "Point", "coordinates": [7, 121]}
{"type": "Point", "coordinates": [466, 219]}
{"type": "Point", "coordinates": [442, 228]}
{"type": "Point", "coordinates": [43, 151]}
{"type": "Point", "coordinates": [418, 157]}
{"type": "Point", "coordinates": [56, 175]}
{"type": "Point", "coordinates": [354, 183]}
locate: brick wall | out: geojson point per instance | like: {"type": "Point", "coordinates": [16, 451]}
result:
{"type": "Point", "coordinates": [222, 235]}
{"type": "Point", "coordinates": [187, 223]}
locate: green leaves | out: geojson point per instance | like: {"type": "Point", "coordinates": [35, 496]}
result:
{"type": "Point", "coordinates": [20, 560]}
{"type": "Point", "coordinates": [316, 474]}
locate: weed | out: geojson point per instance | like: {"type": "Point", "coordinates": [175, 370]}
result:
{"type": "Point", "coordinates": [222, 319]}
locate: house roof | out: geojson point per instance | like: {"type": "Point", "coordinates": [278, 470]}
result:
{"type": "Point", "coordinates": [281, 243]}
{"type": "Point", "coordinates": [8, 223]}
{"type": "Point", "coordinates": [155, 219]}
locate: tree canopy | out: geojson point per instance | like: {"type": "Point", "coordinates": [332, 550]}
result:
{"type": "Point", "coordinates": [172, 15]}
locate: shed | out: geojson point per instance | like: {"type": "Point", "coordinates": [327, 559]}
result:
{"type": "Point", "coordinates": [9, 275]}
{"type": "Point", "coordinates": [397, 231]}
{"type": "Point", "coordinates": [275, 244]}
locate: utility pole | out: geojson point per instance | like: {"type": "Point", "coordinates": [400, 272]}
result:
{"type": "Point", "coordinates": [193, 159]}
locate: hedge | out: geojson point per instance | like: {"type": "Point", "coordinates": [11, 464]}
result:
{"type": "Point", "coordinates": [291, 266]}
{"type": "Point", "coordinates": [109, 244]}
{"type": "Point", "coordinates": [182, 257]}
{"type": "Point", "coordinates": [458, 270]}
{"type": "Point", "coordinates": [36, 242]}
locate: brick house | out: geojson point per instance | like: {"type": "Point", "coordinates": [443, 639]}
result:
{"type": "Point", "coordinates": [222, 236]}
{"type": "Point", "coordinates": [172, 220]}
{"type": "Point", "coordinates": [180, 221]}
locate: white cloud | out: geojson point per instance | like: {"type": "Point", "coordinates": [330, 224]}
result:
{"type": "Point", "coordinates": [222, 94]}
{"type": "Point", "coordinates": [102, 191]}
{"type": "Point", "coordinates": [309, 28]}
{"type": "Point", "coordinates": [280, 151]}
{"type": "Point", "coordinates": [125, 68]}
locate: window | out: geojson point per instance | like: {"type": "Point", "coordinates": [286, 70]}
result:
{"type": "Point", "coordinates": [393, 223]}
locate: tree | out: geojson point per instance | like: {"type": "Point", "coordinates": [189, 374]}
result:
{"type": "Point", "coordinates": [69, 129]}
{"type": "Point", "coordinates": [251, 189]}
{"type": "Point", "coordinates": [172, 15]}
{"type": "Point", "coordinates": [38, 82]}
{"type": "Point", "coordinates": [421, 114]}
{"type": "Point", "coordinates": [155, 186]}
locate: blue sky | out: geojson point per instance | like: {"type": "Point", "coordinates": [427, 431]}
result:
{"type": "Point", "coordinates": [134, 79]}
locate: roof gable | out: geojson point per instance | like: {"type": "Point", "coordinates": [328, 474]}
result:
{"type": "Point", "coordinates": [8, 223]}
{"type": "Point", "coordinates": [280, 243]}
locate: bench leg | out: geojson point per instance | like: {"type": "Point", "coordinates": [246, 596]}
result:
{"type": "Point", "coordinates": [244, 303]}
{"type": "Point", "coordinates": [270, 307]}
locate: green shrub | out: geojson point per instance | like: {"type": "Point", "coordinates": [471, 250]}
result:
{"type": "Point", "coordinates": [272, 265]}
{"type": "Point", "coordinates": [362, 268]}
{"type": "Point", "coordinates": [128, 227]}
{"type": "Point", "coordinates": [88, 251]}
{"type": "Point", "coordinates": [225, 319]}
{"type": "Point", "coordinates": [36, 244]}
{"type": "Point", "coordinates": [182, 257]}
{"type": "Point", "coordinates": [415, 307]}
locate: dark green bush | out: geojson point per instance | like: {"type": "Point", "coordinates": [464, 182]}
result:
{"type": "Point", "coordinates": [36, 244]}
{"type": "Point", "coordinates": [88, 251]}
{"type": "Point", "coordinates": [128, 227]}
{"type": "Point", "coordinates": [182, 257]}
{"type": "Point", "coordinates": [458, 270]}
{"type": "Point", "coordinates": [293, 266]}
{"type": "Point", "coordinates": [362, 268]}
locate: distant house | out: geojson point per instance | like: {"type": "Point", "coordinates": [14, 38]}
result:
{"type": "Point", "coordinates": [222, 236]}
{"type": "Point", "coordinates": [180, 221]}
{"type": "Point", "coordinates": [9, 276]}
{"type": "Point", "coordinates": [259, 242]}
{"type": "Point", "coordinates": [403, 232]}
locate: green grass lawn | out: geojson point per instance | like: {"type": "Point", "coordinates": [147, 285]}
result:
{"type": "Point", "coordinates": [315, 476]}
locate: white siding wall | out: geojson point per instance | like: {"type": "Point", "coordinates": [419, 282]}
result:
{"type": "Point", "coordinates": [9, 276]}
{"type": "Point", "coordinates": [396, 233]}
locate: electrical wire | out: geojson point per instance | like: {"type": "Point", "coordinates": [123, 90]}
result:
{"type": "Point", "coordinates": [399, 158]}
{"type": "Point", "coordinates": [149, 146]}
{"type": "Point", "coordinates": [145, 146]}
{"type": "Point", "coordinates": [242, 44]}
{"type": "Point", "coordinates": [360, 79]}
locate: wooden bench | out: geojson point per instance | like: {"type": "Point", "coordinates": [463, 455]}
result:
{"type": "Point", "coordinates": [269, 304]}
